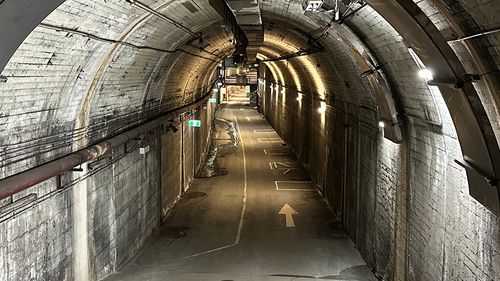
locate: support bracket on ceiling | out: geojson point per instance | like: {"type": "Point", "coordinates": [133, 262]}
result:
{"type": "Point", "coordinates": [387, 109]}
{"type": "Point", "coordinates": [241, 43]}
{"type": "Point", "coordinates": [474, 130]}
{"type": "Point", "coordinates": [490, 179]}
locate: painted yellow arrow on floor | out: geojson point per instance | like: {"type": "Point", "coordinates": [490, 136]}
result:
{"type": "Point", "coordinates": [288, 211]}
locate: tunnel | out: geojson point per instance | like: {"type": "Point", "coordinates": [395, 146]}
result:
{"type": "Point", "coordinates": [271, 140]}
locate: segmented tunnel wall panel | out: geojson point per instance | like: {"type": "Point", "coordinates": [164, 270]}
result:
{"type": "Point", "coordinates": [408, 208]}
{"type": "Point", "coordinates": [397, 195]}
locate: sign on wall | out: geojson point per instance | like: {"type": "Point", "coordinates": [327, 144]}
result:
{"type": "Point", "coordinates": [194, 123]}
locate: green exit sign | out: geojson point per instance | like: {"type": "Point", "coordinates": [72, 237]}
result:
{"type": "Point", "coordinates": [211, 100]}
{"type": "Point", "coordinates": [194, 123]}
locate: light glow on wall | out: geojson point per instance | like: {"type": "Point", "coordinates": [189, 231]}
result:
{"type": "Point", "coordinates": [426, 74]}
{"type": "Point", "coordinates": [322, 112]}
{"type": "Point", "coordinates": [322, 107]}
{"type": "Point", "coordinates": [305, 61]}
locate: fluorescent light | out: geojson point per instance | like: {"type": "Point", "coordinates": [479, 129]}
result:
{"type": "Point", "coordinates": [426, 74]}
{"type": "Point", "coordinates": [322, 108]}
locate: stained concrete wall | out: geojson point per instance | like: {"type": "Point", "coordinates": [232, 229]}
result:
{"type": "Point", "coordinates": [37, 244]}
{"type": "Point", "coordinates": [127, 194]}
{"type": "Point", "coordinates": [406, 206]}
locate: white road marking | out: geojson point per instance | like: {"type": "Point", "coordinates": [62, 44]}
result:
{"type": "Point", "coordinates": [243, 208]}
{"type": "Point", "coordinates": [276, 183]}
{"type": "Point", "coordinates": [286, 165]}
{"type": "Point", "coordinates": [282, 165]}
{"type": "Point", "coordinates": [288, 211]}
{"type": "Point", "coordinates": [270, 140]}
{"type": "Point", "coordinates": [273, 152]}
{"type": "Point", "coordinates": [245, 179]}
{"type": "Point", "coordinates": [257, 131]}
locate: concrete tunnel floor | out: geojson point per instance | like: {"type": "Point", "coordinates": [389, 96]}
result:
{"type": "Point", "coordinates": [228, 227]}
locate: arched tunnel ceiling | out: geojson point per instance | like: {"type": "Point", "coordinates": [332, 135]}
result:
{"type": "Point", "coordinates": [92, 67]}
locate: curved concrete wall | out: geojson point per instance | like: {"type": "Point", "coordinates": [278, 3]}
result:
{"type": "Point", "coordinates": [90, 70]}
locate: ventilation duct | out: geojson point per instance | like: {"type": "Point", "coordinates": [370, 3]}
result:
{"type": "Point", "coordinates": [247, 14]}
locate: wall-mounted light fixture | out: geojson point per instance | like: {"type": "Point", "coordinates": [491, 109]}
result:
{"type": "Point", "coordinates": [322, 107]}
{"type": "Point", "coordinates": [144, 149]}
{"type": "Point", "coordinates": [3, 79]}
{"type": "Point", "coordinates": [426, 74]}
{"type": "Point", "coordinates": [381, 124]}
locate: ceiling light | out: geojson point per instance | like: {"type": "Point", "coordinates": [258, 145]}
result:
{"type": "Point", "coordinates": [426, 74]}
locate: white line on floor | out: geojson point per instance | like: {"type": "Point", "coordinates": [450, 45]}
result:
{"type": "Point", "coordinates": [272, 140]}
{"type": "Point", "coordinates": [257, 131]}
{"type": "Point", "coordinates": [245, 179]}
{"type": "Point", "coordinates": [244, 207]}
{"type": "Point", "coordinates": [275, 153]}
{"type": "Point", "coordinates": [293, 189]}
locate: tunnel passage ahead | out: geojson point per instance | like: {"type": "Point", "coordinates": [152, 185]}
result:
{"type": "Point", "coordinates": [235, 226]}
{"type": "Point", "coordinates": [391, 105]}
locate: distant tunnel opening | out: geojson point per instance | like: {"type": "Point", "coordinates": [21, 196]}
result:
{"type": "Point", "coordinates": [391, 108]}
